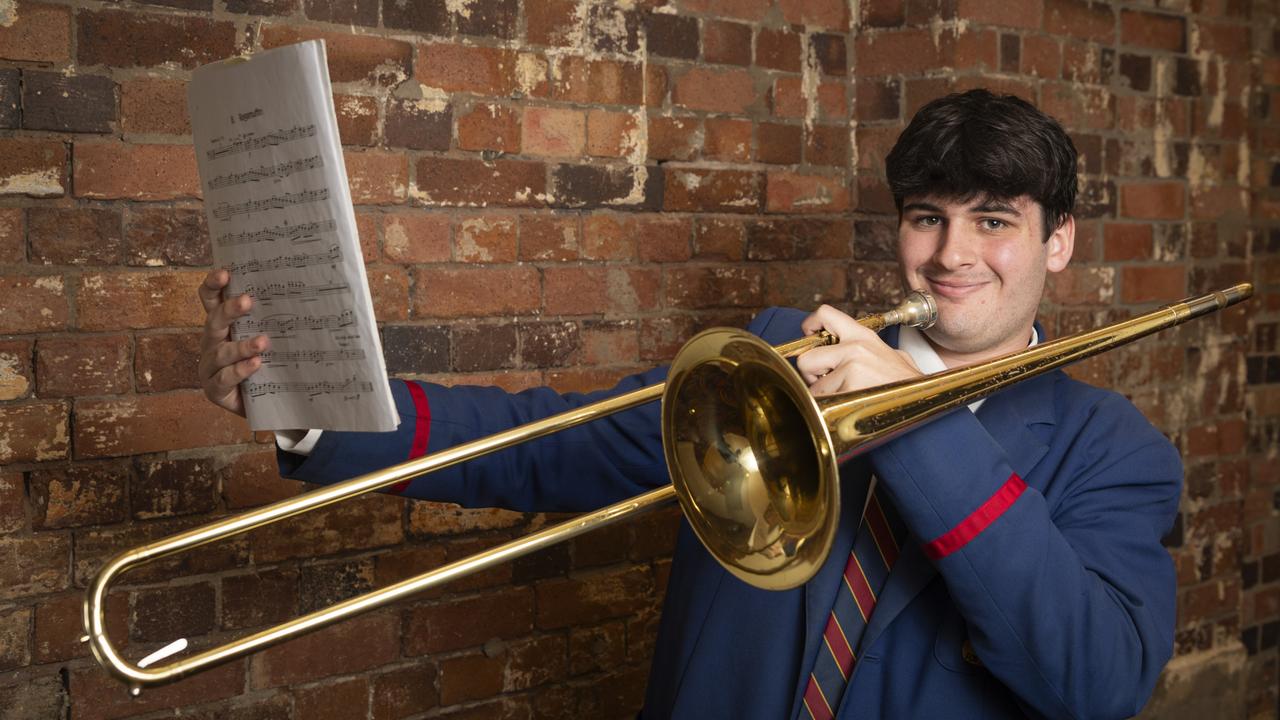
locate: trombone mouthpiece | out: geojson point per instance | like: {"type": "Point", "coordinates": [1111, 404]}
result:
{"type": "Point", "coordinates": [918, 310]}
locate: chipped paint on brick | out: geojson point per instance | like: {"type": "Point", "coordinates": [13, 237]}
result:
{"type": "Point", "coordinates": [531, 71]}
{"type": "Point", "coordinates": [809, 75]}
{"type": "Point", "coordinates": [13, 383]}
{"type": "Point", "coordinates": [1162, 130]}
{"type": "Point", "coordinates": [460, 7]}
{"type": "Point", "coordinates": [42, 183]}
{"type": "Point", "coordinates": [8, 12]}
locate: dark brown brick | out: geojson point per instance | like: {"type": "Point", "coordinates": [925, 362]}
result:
{"type": "Point", "coordinates": [490, 18]}
{"type": "Point", "coordinates": [35, 167]}
{"type": "Point", "coordinates": [673, 138]}
{"type": "Point", "coordinates": [549, 344]}
{"type": "Point", "coordinates": [799, 239]}
{"type": "Point", "coordinates": [831, 53]}
{"type": "Point", "coordinates": [469, 622]}
{"type": "Point", "coordinates": [15, 638]}
{"type": "Point", "coordinates": [13, 503]}
{"type": "Point", "coordinates": [167, 236]}
{"type": "Point", "coordinates": [1137, 70]}
{"type": "Point", "coordinates": [242, 595]}
{"type": "Point", "coordinates": [425, 16]}
{"type": "Point", "coordinates": [672, 36]}
{"type": "Point", "coordinates": [622, 187]}
{"type": "Point", "coordinates": [551, 22]}
{"type": "Point", "coordinates": [592, 597]}
{"type": "Point", "coordinates": [17, 378]}
{"type": "Point", "coordinates": [827, 145]}
{"type": "Point", "coordinates": [10, 98]}
{"type": "Point", "coordinates": [709, 287]}
{"type": "Point", "coordinates": [167, 488]}
{"type": "Point", "coordinates": [701, 190]}
{"type": "Point", "coordinates": [344, 12]}
{"type": "Point", "coordinates": [879, 100]}
{"type": "Point", "coordinates": [263, 7]}
{"type": "Point", "coordinates": [403, 692]}
{"type": "Point", "coordinates": [59, 625]}
{"type": "Point", "coordinates": [323, 584]}
{"type": "Point", "coordinates": [352, 58]}
{"type": "Point", "coordinates": [93, 365]}
{"type": "Point", "coordinates": [416, 349]}
{"type": "Point", "coordinates": [613, 30]}
{"type": "Point", "coordinates": [366, 642]}
{"type": "Point", "coordinates": [114, 38]}
{"type": "Point", "coordinates": [74, 236]}
{"type": "Point", "coordinates": [779, 144]}
{"type": "Point", "coordinates": [80, 495]}
{"type": "Point", "coordinates": [95, 695]}
{"type": "Point", "coordinates": [61, 103]}
{"type": "Point", "coordinates": [778, 49]}
{"type": "Point", "coordinates": [1010, 52]}
{"type": "Point", "coordinates": [333, 700]}
{"type": "Point", "coordinates": [166, 614]}
{"type": "Point", "coordinates": [725, 42]}
{"type": "Point", "coordinates": [450, 181]}
{"type": "Point", "coordinates": [419, 124]}
{"type": "Point", "coordinates": [35, 697]}
{"type": "Point", "coordinates": [484, 347]}
{"type": "Point", "coordinates": [35, 565]}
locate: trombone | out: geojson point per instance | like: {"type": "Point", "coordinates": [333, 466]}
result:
{"type": "Point", "coordinates": [752, 454]}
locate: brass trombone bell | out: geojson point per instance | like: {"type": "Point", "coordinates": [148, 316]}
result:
{"type": "Point", "coordinates": [916, 309]}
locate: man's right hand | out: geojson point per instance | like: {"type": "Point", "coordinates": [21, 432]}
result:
{"type": "Point", "coordinates": [223, 361]}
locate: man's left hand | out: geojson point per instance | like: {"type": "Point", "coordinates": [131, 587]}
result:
{"type": "Point", "coordinates": [860, 360]}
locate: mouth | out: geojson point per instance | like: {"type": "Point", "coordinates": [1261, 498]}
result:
{"type": "Point", "coordinates": [954, 289]}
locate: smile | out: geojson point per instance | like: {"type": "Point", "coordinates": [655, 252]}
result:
{"type": "Point", "coordinates": [953, 289]}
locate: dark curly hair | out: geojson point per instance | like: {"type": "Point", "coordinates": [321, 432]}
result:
{"type": "Point", "coordinates": [979, 144]}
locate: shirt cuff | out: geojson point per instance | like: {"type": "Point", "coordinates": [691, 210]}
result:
{"type": "Point", "coordinates": [298, 442]}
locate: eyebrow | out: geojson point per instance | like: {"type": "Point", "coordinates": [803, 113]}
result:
{"type": "Point", "coordinates": [988, 206]}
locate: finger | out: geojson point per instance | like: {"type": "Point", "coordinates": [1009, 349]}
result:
{"type": "Point", "coordinates": [831, 383]}
{"type": "Point", "coordinates": [210, 291]}
{"type": "Point", "coordinates": [910, 360]}
{"type": "Point", "coordinates": [227, 353]}
{"type": "Point", "coordinates": [217, 327]}
{"type": "Point", "coordinates": [813, 322]}
{"type": "Point", "coordinates": [817, 362]}
{"type": "Point", "coordinates": [224, 382]}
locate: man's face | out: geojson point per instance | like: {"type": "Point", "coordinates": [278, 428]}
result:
{"type": "Point", "coordinates": [984, 261]}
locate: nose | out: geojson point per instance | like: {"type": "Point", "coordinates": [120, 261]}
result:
{"type": "Point", "coordinates": [957, 248]}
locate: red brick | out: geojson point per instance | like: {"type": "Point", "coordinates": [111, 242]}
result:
{"type": "Point", "coordinates": [485, 239]}
{"type": "Point", "coordinates": [553, 132]}
{"type": "Point", "coordinates": [471, 183]}
{"type": "Point", "coordinates": [389, 288]}
{"type": "Point", "coordinates": [1153, 30]}
{"type": "Point", "coordinates": [352, 58]}
{"type": "Point", "coordinates": [168, 488]}
{"type": "Point", "coordinates": [363, 524]}
{"type": "Point", "coordinates": [476, 292]}
{"type": "Point", "coordinates": [1153, 283]}
{"type": "Point", "coordinates": [537, 661]}
{"type": "Point", "coordinates": [714, 90]}
{"type": "Point", "coordinates": [1082, 285]}
{"type": "Point", "coordinates": [552, 22]}
{"type": "Point", "coordinates": [610, 343]}
{"type": "Point", "coordinates": [662, 239]}
{"type": "Point", "coordinates": [779, 144]}
{"type": "Point", "coordinates": [795, 193]}
{"type": "Point", "coordinates": [58, 627]}
{"type": "Point", "coordinates": [156, 237]}
{"type": "Point", "coordinates": [114, 170]}
{"type": "Point", "coordinates": [377, 178]}
{"type": "Point", "coordinates": [829, 14]}
{"type": "Point", "coordinates": [598, 82]}
{"type": "Point", "coordinates": [415, 237]}
{"type": "Point", "coordinates": [36, 33]}
{"type": "Point", "coordinates": [592, 597]}
{"type": "Point", "coordinates": [84, 365]}
{"type": "Point", "coordinates": [342, 649]}
{"type": "Point", "coordinates": [490, 127]}
{"type": "Point", "coordinates": [80, 495]}
{"type": "Point", "coordinates": [778, 49]}
{"type": "Point", "coordinates": [152, 423]}
{"type": "Point", "coordinates": [608, 237]}
{"type": "Point", "coordinates": [798, 239]}
{"type": "Point", "coordinates": [1020, 15]}
{"type": "Point", "coordinates": [358, 119]}
{"type": "Point", "coordinates": [12, 235]}
{"type": "Point", "coordinates": [1127, 241]}
{"type": "Point", "coordinates": [727, 139]}
{"type": "Point", "coordinates": [427, 519]}
{"type": "Point", "coordinates": [706, 287]}
{"type": "Point", "coordinates": [700, 190]}
{"type": "Point", "coordinates": [718, 239]}
{"type": "Point", "coordinates": [16, 376]}
{"type": "Point", "coordinates": [469, 622]}
{"type": "Point", "coordinates": [828, 145]}
{"type": "Point", "coordinates": [154, 105]}
{"type": "Point", "coordinates": [254, 479]}
{"type": "Point", "coordinates": [727, 43]}
{"type": "Point", "coordinates": [1080, 18]}
{"type": "Point", "coordinates": [470, 677]}
{"type": "Point", "coordinates": [139, 300]}
{"type": "Point", "coordinates": [166, 361]}
{"type": "Point", "coordinates": [75, 236]}
{"type": "Point", "coordinates": [597, 290]}
{"type": "Point", "coordinates": [673, 138]}
{"type": "Point", "coordinates": [34, 565]}
{"type": "Point", "coordinates": [32, 304]}
{"type": "Point", "coordinates": [114, 38]}
{"type": "Point", "coordinates": [1041, 56]}
{"type": "Point", "coordinates": [1153, 201]}
{"type": "Point", "coordinates": [95, 695]}
{"type": "Point", "coordinates": [336, 700]}
{"type": "Point", "coordinates": [611, 134]}
{"type": "Point", "coordinates": [749, 10]}
{"type": "Point", "coordinates": [549, 237]}
{"type": "Point", "coordinates": [15, 638]}
{"type": "Point", "coordinates": [36, 168]}
{"type": "Point", "coordinates": [465, 68]}
{"type": "Point", "coordinates": [910, 51]}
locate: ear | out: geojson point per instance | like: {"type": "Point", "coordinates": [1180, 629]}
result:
{"type": "Point", "coordinates": [1060, 245]}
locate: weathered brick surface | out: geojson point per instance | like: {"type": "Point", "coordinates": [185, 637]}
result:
{"type": "Point", "coordinates": [561, 193]}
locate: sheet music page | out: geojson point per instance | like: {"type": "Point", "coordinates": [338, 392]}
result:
{"type": "Point", "coordinates": [281, 220]}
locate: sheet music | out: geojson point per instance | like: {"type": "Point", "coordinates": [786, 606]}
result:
{"type": "Point", "coordinates": [280, 219]}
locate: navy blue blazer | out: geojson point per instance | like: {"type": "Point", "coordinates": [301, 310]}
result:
{"type": "Point", "coordinates": [1033, 582]}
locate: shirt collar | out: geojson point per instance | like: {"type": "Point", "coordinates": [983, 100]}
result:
{"type": "Point", "coordinates": [913, 342]}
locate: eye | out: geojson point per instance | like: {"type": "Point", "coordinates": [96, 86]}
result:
{"type": "Point", "coordinates": [928, 221]}
{"type": "Point", "coordinates": [992, 224]}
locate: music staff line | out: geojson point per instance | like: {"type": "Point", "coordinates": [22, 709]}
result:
{"type": "Point", "coordinates": [271, 139]}
{"type": "Point", "coordinates": [284, 324]}
{"type": "Point", "coordinates": [287, 261]}
{"type": "Point", "coordinates": [294, 289]}
{"type": "Point", "coordinates": [311, 356]}
{"type": "Point", "coordinates": [320, 387]}
{"type": "Point", "coordinates": [300, 233]}
{"type": "Point", "coordinates": [275, 202]}
{"type": "Point", "coordinates": [265, 172]}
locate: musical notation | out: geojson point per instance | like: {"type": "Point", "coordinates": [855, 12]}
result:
{"type": "Point", "coordinates": [319, 387]}
{"type": "Point", "coordinates": [299, 233]}
{"type": "Point", "coordinates": [294, 289]}
{"type": "Point", "coordinates": [284, 324]}
{"type": "Point", "coordinates": [271, 139]}
{"type": "Point", "coordinates": [275, 202]}
{"type": "Point", "coordinates": [312, 356]}
{"type": "Point", "coordinates": [287, 261]}
{"type": "Point", "coordinates": [266, 172]}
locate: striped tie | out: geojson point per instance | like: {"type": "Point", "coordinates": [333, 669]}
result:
{"type": "Point", "coordinates": [875, 550]}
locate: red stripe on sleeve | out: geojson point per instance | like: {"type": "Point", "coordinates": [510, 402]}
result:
{"type": "Point", "coordinates": [968, 529]}
{"type": "Point", "coordinates": [421, 428]}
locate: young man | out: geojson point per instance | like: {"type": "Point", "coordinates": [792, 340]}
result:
{"type": "Point", "coordinates": [1010, 563]}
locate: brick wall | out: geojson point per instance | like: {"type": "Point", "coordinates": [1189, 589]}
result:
{"type": "Point", "coordinates": [561, 191]}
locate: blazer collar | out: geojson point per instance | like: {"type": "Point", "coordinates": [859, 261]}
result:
{"type": "Point", "coordinates": [1009, 416]}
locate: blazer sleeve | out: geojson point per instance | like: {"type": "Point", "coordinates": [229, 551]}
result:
{"type": "Point", "coordinates": [583, 468]}
{"type": "Point", "coordinates": [1069, 603]}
